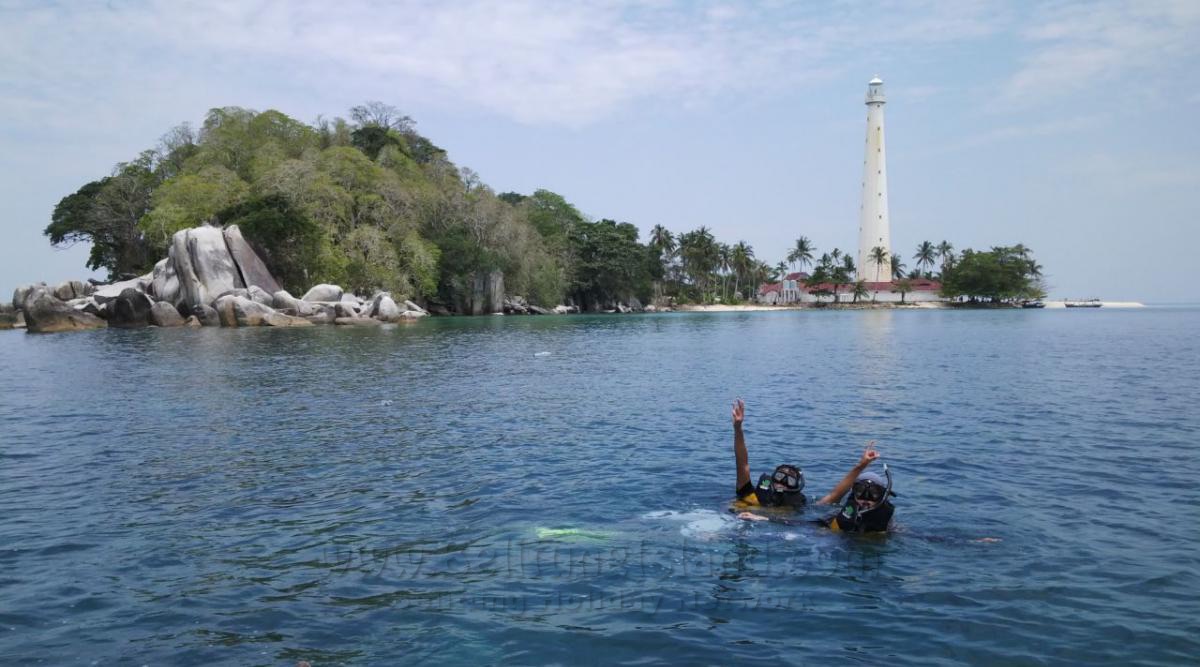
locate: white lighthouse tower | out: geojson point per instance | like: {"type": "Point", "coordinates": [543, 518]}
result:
{"type": "Point", "coordinates": [873, 228]}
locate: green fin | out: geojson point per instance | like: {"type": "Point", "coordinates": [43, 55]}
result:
{"type": "Point", "coordinates": [569, 533]}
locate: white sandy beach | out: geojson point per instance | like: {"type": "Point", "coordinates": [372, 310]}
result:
{"type": "Point", "coordinates": [728, 308]}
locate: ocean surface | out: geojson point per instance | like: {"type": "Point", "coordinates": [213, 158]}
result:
{"type": "Point", "coordinates": [555, 490]}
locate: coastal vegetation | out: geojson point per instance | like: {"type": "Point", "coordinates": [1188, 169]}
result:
{"type": "Point", "coordinates": [369, 203]}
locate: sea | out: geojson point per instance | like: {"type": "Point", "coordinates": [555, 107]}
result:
{"type": "Point", "coordinates": [556, 490]}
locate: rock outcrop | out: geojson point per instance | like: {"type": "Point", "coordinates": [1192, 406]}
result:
{"type": "Point", "coordinates": [206, 316]}
{"type": "Point", "coordinates": [238, 311]}
{"type": "Point", "coordinates": [283, 299]}
{"type": "Point", "coordinates": [73, 289]}
{"type": "Point", "coordinates": [254, 271]}
{"type": "Point", "coordinates": [346, 309]}
{"type": "Point", "coordinates": [164, 282]}
{"type": "Point", "coordinates": [22, 293]}
{"type": "Point", "coordinates": [106, 293]}
{"type": "Point", "coordinates": [384, 308]}
{"type": "Point", "coordinates": [46, 314]}
{"type": "Point", "coordinates": [323, 293]}
{"type": "Point", "coordinates": [203, 265]}
{"type": "Point", "coordinates": [130, 310]}
{"type": "Point", "coordinates": [163, 314]}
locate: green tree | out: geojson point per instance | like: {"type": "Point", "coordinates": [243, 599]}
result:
{"type": "Point", "coordinates": [1000, 274]}
{"type": "Point", "coordinates": [742, 261]}
{"type": "Point", "coordinates": [902, 287]}
{"type": "Point", "coordinates": [801, 253]}
{"type": "Point", "coordinates": [897, 267]}
{"type": "Point", "coordinates": [611, 265]}
{"type": "Point", "coordinates": [925, 255]}
{"type": "Point", "coordinates": [879, 255]}
{"type": "Point", "coordinates": [699, 255]}
{"type": "Point", "coordinates": [860, 290]}
{"type": "Point", "coordinates": [191, 199]}
{"type": "Point", "coordinates": [945, 253]}
{"type": "Point", "coordinates": [105, 213]}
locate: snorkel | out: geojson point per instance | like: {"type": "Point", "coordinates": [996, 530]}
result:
{"type": "Point", "coordinates": [872, 480]}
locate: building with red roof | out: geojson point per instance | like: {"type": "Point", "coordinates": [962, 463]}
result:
{"type": "Point", "coordinates": [792, 289]}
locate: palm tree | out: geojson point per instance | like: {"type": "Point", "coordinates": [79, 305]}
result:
{"type": "Point", "coordinates": [880, 256]}
{"type": "Point", "coordinates": [781, 269]}
{"type": "Point", "coordinates": [741, 259]}
{"type": "Point", "coordinates": [848, 265]}
{"type": "Point", "coordinates": [699, 257]}
{"type": "Point", "coordinates": [662, 239]}
{"type": "Point", "coordinates": [663, 243]}
{"type": "Point", "coordinates": [902, 287]}
{"type": "Point", "coordinates": [860, 290]}
{"type": "Point", "coordinates": [945, 252]}
{"type": "Point", "coordinates": [802, 254]}
{"type": "Point", "coordinates": [925, 254]}
{"type": "Point", "coordinates": [836, 254]}
{"type": "Point", "coordinates": [897, 267]}
{"type": "Point", "coordinates": [724, 263]}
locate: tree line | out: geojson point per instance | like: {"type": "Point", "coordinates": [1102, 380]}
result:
{"type": "Point", "coordinates": [365, 202]}
{"type": "Point", "coordinates": [369, 203]}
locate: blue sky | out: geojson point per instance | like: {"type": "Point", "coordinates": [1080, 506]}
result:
{"type": "Point", "coordinates": [1068, 126]}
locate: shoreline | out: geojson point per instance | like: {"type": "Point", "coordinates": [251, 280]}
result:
{"type": "Point", "coordinates": [924, 305]}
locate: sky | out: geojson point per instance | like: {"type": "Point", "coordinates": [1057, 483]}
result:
{"type": "Point", "coordinates": [1068, 126]}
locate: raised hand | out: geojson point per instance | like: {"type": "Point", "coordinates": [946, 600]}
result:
{"type": "Point", "coordinates": [869, 455]}
{"type": "Point", "coordinates": [739, 412]}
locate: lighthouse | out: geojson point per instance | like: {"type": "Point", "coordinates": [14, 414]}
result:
{"type": "Point", "coordinates": [873, 227]}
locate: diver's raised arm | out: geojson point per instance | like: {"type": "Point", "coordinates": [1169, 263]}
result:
{"type": "Point", "coordinates": [835, 496]}
{"type": "Point", "coordinates": [739, 445]}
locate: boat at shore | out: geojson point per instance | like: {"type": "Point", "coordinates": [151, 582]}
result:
{"type": "Point", "coordinates": [1087, 303]}
{"type": "Point", "coordinates": [1033, 304]}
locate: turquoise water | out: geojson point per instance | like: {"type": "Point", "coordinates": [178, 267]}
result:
{"type": "Point", "coordinates": [554, 490]}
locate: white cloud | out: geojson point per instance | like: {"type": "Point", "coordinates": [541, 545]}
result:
{"type": "Point", "coordinates": [563, 63]}
{"type": "Point", "coordinates": [1080, 45]}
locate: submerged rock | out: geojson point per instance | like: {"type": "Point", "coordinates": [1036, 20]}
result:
{"type": "Point", "coordinates": [357, 321]}
{"type": "Point", "coordinates": [46, 314]}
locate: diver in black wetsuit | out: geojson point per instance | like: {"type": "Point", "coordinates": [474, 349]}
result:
{"type": "Point", "coordinates": [867, 509]}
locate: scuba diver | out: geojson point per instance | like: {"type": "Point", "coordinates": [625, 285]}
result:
{"type": "Point", "coordinates": [867, 509]}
